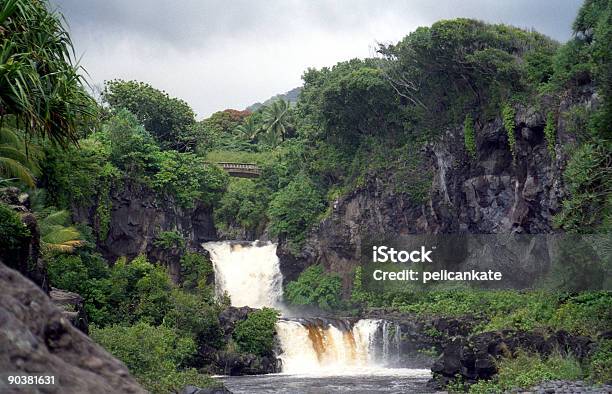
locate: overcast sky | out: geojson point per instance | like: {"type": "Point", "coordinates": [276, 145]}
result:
{"type": "Point", "coordinates": [219, 54]}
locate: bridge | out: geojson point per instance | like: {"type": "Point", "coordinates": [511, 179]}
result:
{"type": "Point", "coordinates": [241, 170]}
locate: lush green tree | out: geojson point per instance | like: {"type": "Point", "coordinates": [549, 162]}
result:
{"type": "Point", "coordinates": [457, 65]}
{"type": "Point", "coordinates": [315, 287]}
{"type": "Point", "coordinates": [294, 209]}
{"type": "Point", "coordinates": [277, 122]}
{"type": "Point", "coordinates": [132, 148]}
{"type": "Point", "coordinates": [18, 160]}
{"type": "Point", "coordinates": [256, 333]}
{"type": "Point", "coordinates": [243, 204]}
{"type": "Point", "coordinates": [169, 119]}
{"type": "Point", "coordinates": [41, 87]}
{"type": "Point", "coordinates": [249, 129]}
{"type": "Point", "coordinates": [188, 178]}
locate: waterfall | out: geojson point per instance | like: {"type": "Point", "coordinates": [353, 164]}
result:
{"type": "Point", "coordinates": [334, 346]}
{"type": "Point", "coordinates": [249, 272]}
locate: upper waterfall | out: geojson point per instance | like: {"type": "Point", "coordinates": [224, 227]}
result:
{"type": "Point", "coordinates": [249, 272]}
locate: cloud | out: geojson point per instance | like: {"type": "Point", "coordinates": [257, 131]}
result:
{"type": "Point", "coordinates": [219, 54]}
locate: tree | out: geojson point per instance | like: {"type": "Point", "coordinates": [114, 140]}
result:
{"type": "Point", "coordinates": [276, 121]}
{"type": "Point", "coordinates": [294, 209]}
{"type": "Point", "coordinates": [249, 129]}
{"type": "Point", "coordinates": [315, 287]}
{"type": "Point", "coordinates": [15, 160]}
{"type": "Point", "coordinates": [40, 87]}
{"type": "Point", "coordinates": [169, 119]}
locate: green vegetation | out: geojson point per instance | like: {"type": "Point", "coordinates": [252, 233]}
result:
{"type": "Point", "coordinates": [256, 334]}
{"type": "Point", "coordinates": [317, 288]}
{"type": "Point", "coordinates": [526, 371]}
{"type": "Point", "coordinates": [13, 235]}
{"type": "Point", "coordinates": [359, 125]}
{"type": "Point", "coordinates": [550, 133]}
{"type": "Point", "coordinates": [155, 355]}
{"type": "Point", "coordinates": [508, 115]}
{"type": "Point", "coordinates": [469, 136]}
{"type": "Point", "coordinates": [294, 209]}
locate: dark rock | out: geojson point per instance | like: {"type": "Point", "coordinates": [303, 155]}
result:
{"type": "Point", "coordinates": [36, 338]}
{"type": "Point", "coordinates": [138, 215]}
{"type": "Point", "coordinates": [475, 358]}
{"type": "Point", "coordinates": [494, 194]}
{"type": "Point", "coordinates": [72, 306]}
{"type": "Point", "coordinates": [208, 390]}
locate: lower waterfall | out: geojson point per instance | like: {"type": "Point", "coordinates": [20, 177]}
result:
{"type": "Point", "coordinates": [249, 272]}
{"type": "Point", "coordinates": [334, 345]}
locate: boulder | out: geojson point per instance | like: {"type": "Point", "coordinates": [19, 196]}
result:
{"type": "Point", "coordinates": [36, 338]}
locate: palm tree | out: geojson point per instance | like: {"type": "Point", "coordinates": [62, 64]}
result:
{"type": "Point", "coordinates": [249, 129]}
{"type": "Point", "coordinates": [17, 159]}
{"type": "Point", "coordinates": [40, 87]}
{"type": "Point", "coordinates": [276, 120]}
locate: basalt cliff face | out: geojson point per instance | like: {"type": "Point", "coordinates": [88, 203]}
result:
{"type": "Point", "coordinates": [138, 215]}
{"type": "Point", "coordinates": [492, 193]}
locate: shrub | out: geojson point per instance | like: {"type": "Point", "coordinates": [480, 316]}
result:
{"type": "Point", "coordinates": [600, 362]}
{"type": "Point", "coordinates": [526, 371]}
{"type": "Point", "coordinates": [169, 240]}
{"type": "Point", "coordinates": [191, 316]}
{"type": "Point", "coordinates": [13, 236]}
{"type": "Point", "coordinates": [195, 270]}
{"type": "Point", "coordinates": [315, 287]}
{"type": "Point", "coordinates": [153, 354]}
{"type": "Point", "coordinates": [587, 176]}
{"type": "Point", "coordinates": [255, 334]}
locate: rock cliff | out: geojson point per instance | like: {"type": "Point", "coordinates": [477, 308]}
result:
{"type": "Point", "coordinates": [138, 215]}
{"type": "Point", "coordinates": [36, 338]}
{"type": "Point", "coordinates": [492, 193]}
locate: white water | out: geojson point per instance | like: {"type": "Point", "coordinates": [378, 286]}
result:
{"type": "Point", "coordinates": [334, 347]}
{"type": "Point", "coordinates": [248, 272]}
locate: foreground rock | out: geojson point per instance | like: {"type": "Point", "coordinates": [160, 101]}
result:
{"type": "Point", "coordinates": [35, 338]}
{"type": "Point", "coordinates": [565, 386]}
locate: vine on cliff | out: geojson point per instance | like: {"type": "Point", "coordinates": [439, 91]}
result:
{"type": "Point", "coordinates": [508, 114]}
{"type": "Point", "coordinates": [550, 133]}
{"type": "Point", "coordinates": [469, 136]}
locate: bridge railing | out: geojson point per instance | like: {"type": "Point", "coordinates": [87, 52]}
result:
{"type": "Point", "coordinates": [249, 168]}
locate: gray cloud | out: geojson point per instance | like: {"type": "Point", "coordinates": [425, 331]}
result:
{"type": "Point", "coordinates": [219, 54]}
